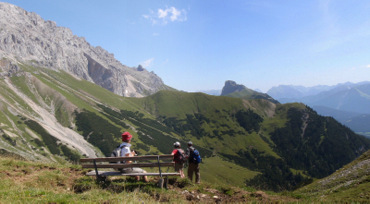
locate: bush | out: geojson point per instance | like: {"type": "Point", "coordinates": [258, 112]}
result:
{"type": "Point", "coordinates": [98, 131]}
{"type": "Point", "coordinates": [70, 154]}
{"type": "Point", "coordinates": [49, 140]}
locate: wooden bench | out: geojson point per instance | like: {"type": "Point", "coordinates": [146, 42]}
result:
{"type": "Point", "coordinates": [157, 161]}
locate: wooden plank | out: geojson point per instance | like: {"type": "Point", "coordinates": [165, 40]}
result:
{"type": "Point", "coordinates": [136, 158]}
{"type": "Point", "coordinates": [166, 164]}
{"type": "Point", "coordinates": [116, 173]}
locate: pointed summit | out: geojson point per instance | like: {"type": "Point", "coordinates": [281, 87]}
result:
{"type": "Point", "coordinates": [231, 87]}
{"type": "Point", "coordinates": [235, 90]}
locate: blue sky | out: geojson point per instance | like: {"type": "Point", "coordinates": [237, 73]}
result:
{"type": "Point", "coordinates": [199, 44]}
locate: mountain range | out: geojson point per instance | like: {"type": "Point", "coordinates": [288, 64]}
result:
{"type": "Point", "coordinates": [349, 103]}
{"type": "Point", "coordinates": [62, 99]}
{"type": "Point", "coordinates": [350, 97]}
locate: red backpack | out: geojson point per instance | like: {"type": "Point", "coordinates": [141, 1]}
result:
{"type": "Point", "coordinates": [179, 157]}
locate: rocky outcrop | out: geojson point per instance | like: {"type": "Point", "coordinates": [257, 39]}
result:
{"type": "Point", "coordinates": [8, 69]}
{"type": "Point", "coordinates": [231, 87]}
{"type": "Point", "coordinates": [27, 38]}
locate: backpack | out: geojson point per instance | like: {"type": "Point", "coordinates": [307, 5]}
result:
{"type": "Point", "coordinates": [117, 151]}
{"type": "Point", "coordinates": [180, 156]}
{"type": "Point", "coordinates": [195, 156]}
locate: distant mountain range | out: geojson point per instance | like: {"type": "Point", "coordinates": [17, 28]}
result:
{"type": "Point", "coordinates": [349, 102]}
{"type": "Point", "coordinates": [350, 97]}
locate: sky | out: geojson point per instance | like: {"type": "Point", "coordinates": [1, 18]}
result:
{"type": "Point", "coordinates": [196, 45]}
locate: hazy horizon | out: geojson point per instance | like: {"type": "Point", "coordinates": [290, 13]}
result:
{"type": "Point", "coordinates": [220, 89]}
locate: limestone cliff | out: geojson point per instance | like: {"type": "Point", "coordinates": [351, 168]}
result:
{"type": "Point", "coordinates": [26, 37]}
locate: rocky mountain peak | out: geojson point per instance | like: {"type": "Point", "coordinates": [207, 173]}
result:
{"type": "Point", "coordinates": [25, 37]}
{"type": "Point", "coordinates": [231, 87]}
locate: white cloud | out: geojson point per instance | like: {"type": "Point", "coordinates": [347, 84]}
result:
{"type": "Point", "coordinates": [368, 66]}
{"type": "Point", "coordinates": [162, 13]}
{"type": "Point", "coordinates": [147, 63]}
{"type": "Point", "coordinates": [164, 16]}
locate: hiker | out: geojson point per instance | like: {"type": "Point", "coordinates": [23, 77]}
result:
{"type": "Point", "coordinates": [126, 152]}
{"type": "Point", "coordinates": [193, 159]}
{"type": "Point", "coordinates": [179, 158]}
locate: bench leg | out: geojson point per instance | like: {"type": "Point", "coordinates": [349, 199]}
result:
{"type": "Point", "coordinates": [161, 182]}
{"type": "Point", "coordinates": [101, 179]}
{"type": "Point", "coordinates": [166, 182]}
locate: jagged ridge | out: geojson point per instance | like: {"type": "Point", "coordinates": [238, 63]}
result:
{"type": "Point", "coordinates": [26, 37]}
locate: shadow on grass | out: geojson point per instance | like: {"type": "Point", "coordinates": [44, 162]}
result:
{"type": "Point", "coordinates": [116, 185]}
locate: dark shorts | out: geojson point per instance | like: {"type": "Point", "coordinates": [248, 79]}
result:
{"type": "Point", "coordinates": [179, 166]}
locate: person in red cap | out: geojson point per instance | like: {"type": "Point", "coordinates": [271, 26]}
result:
{"type": "Point", "coordinates": [126, 152]}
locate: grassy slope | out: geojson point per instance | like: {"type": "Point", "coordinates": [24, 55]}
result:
{"type": "Point", "coordinates": [350, 184]}
{"type": "Point", "coordinates": [178, 104]}
{"type": "Point", "coordinates": [250, 94]}
{"type": "Point", "coordinates": [34, 182]}
{"type": "Point", "coordinates": [12, 131]}
{"type": "Point", "coordinates": [217, 171]}
{"type": "Point", "coordinates": [57, 92]}
{"type": "Point", "coordinates": [29, 182]}
{"type": "Point", "coordinates": [80, 92]}
{"type": "Point", "coordinates": [280, 118]}
{"type": "Point", "coordinates": [219, 109]}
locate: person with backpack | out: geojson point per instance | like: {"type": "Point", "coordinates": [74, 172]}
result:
{"type": "Point", "coordinates": [193, 159]}
{"type": "Point", "coordinates": [126, 152]}
{"type": "Point", "coordinates": [179, 158]}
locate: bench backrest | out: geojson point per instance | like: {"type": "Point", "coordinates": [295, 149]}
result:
{"type": "Point", "coordinates": [151, 161]}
